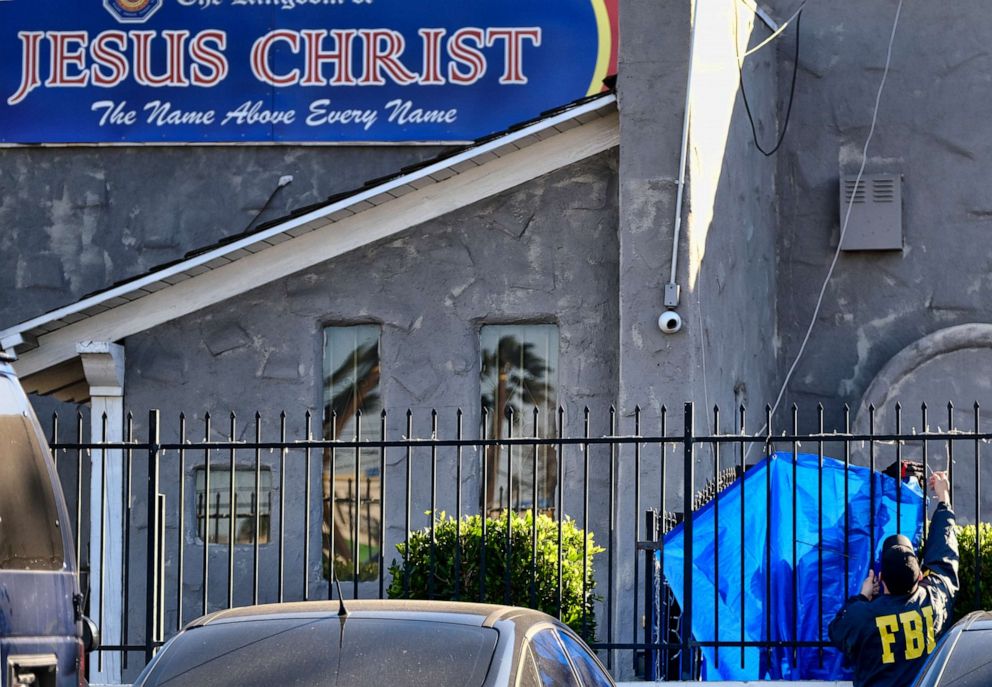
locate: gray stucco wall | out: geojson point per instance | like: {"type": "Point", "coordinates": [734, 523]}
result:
{"type": "Point", "coordinates": [544, 252]}
{"type": "Point", "coordinates": [934, 129]}
{"type": "Point", "coordinates": [727, 267]}
{"type": "Point", "coordinates": [74, 220]}
{"type": "Point", "coordinates": [724, 354]}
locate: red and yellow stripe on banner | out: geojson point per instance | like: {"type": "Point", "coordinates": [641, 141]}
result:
{"type": "Point", "coordinates": [607, 20]}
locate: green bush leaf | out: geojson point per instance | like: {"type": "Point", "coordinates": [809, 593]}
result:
{"type": "Point", "coordinates": [972, 587]}
{"type": "Point", "coordinates": [515, 570]}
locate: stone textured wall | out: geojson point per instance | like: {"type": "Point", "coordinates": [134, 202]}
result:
{"type": "Point", "coordinates": [75, 220]}
{"type": "Point", "coordinates": [933, 128]}
{"type": "Point", "coordinates": [544, 252]}
{"type": "Point", "coordinates": [729, 266]}
{"type": "Point", "coordinates": [725, 352]}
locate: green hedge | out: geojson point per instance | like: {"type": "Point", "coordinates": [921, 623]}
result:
{"type": "Point", "coordinates": [964, 602]}
{"type": "Point", "coordinates": [415, 569]}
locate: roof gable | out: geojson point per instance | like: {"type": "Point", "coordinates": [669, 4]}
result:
{"type": "Point", "coordinates": [282, 247]}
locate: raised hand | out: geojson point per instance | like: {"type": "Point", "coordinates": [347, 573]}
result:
{"type": "Point", "coordinates": [941, 487]}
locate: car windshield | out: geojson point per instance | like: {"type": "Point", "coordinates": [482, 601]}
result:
{"type": "Point", "coordinates": [307, 651]}
{"type": "Point", "coordinates": [29, 523]}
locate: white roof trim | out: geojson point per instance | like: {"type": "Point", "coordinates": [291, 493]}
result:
{"type": "Point", "coordinates": [326, 232]}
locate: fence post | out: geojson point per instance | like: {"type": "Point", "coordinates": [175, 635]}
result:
{"type": "Point", "coordinates": [152, 580]}
{"type": "Point", "coordinates": [688, 480]}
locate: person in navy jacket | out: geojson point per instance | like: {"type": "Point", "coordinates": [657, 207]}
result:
{"type": "Point", "coordinates": [887, 637]}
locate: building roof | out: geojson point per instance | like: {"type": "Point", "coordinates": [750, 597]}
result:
{"type": "Point", "coordinates": [46, 345]}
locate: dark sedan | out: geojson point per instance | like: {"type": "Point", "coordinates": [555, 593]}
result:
{"type": "Point", "coordinates": [373, 644]}
{"type": "Point", "coordinates": [964, 656]}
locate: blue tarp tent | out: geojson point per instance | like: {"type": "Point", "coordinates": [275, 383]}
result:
{"type": "Point", "coordinates": [734, 597]}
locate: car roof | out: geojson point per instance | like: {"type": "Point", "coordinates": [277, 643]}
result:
{"type": "Point", "coordinates": [457, 612]}
{"type": "Point", "coordinates": [977, 620]}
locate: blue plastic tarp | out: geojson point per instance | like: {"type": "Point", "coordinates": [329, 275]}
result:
{"type": "Point", "coordinates": [759, 547]}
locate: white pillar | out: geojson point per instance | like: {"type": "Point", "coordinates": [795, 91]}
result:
{"type": "Point", "coordinates": [103, 365]}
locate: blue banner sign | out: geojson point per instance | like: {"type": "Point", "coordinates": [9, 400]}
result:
{"type": "Point", "coordinates": [210, 71]}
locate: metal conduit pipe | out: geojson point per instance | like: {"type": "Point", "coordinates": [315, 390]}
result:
{"type": "Point", "coordinates": [670, 322]}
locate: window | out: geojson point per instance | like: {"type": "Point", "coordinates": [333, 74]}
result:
{"type": "Point", "coordinates": [285, 649]}
{"type": "Point", "coordinates": [217, 505]}
{"type": "Point", "coordinates": [351, 480]}
{"type": "Point", "coordinates": [30, 537]}
{"type": "Point", "coordinates": [520, 372]}
{"type": "Point", "coordinates": [966, 663]}
{"type": "Point", "coordinates": [589, 671]}
{"type": "Point", "coordinates": [552, 663]}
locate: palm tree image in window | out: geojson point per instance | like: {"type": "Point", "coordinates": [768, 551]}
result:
{"type": "Point", "coordinates": [351, 479]}
{"type": "Point", "coordinates": [519, 372]}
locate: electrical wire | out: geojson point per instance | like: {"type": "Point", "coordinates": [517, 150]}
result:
{"type": "Point", "coordinates": [847, 216]}
{"type": "Point", "coordinates": [777, 32]}
{"type": "Point", "coordinates": [699, 311]}
{"type": "Point", "coordinates": [792, 89]}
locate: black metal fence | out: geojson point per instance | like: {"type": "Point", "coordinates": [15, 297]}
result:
{"type": "Point", "coordinates": [218, 518]}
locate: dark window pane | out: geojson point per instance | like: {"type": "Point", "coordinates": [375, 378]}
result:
{"type": "Point", "coordinates": [29, 522]}
{"type": "Point", "coordinates": [970, 661]}
{"type": "Point", "coordinates": [218, 504]}
{"type": "Point", "coordinates": [552, 664]}
{"type": "Point", "coordinates": [351, 496]}
{"type": "Point", "coordinates": [529, 676]}
{"type": "Point", "coordinates": [590, 673]}
{"type": "Point", "coordinates": [324, 652]}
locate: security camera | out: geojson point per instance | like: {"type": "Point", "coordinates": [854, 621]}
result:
{"type": "Point", "coordinates": [669, 322]}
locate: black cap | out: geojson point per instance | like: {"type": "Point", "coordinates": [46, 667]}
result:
{"type": "Point", "coordinates": [897, 540]}
{"type": "Point", "coordinates": [900, 566]}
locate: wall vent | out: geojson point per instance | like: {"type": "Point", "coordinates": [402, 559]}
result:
{"type": "Point", "coordinates": [876, 212]}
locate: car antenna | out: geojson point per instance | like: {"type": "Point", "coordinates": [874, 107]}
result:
{"type": "Point", "coordinates": [342, 616]}
{"type": "Point", "coordinates": [342, 611]}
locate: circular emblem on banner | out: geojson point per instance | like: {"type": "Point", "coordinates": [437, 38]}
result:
{"type": "Point", "coordinates": [132, 11]}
